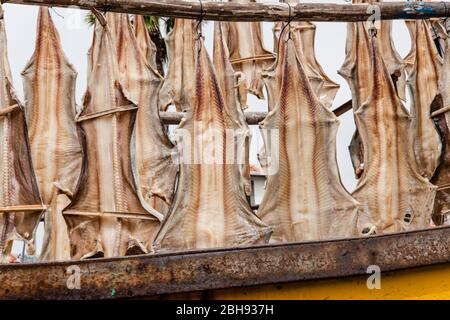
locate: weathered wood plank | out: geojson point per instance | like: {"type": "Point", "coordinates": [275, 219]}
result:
{"type": "Point", "coordinates": [227, 11]}
{"type": "Point", "coordinates": [252, 118]}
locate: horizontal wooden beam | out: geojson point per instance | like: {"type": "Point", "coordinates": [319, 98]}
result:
{"type": "Point", "coordinates": [233, 11]}
{"type": "Point", "coordinates": [252, 118]}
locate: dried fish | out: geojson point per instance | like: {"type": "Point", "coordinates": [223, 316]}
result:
{"type": "Point", "coordinates": [304, 197]}
{"type": "Point", "coordinates": [210, 208]}
{"type": "Point", "coordinates": [322, 85]}
{"type": "Point", "coordinates": [179, 84]}
{"type": "Point", "coordinates": [444, 79]}
{"type": "Point", "coordinates": [394, 194]}
{"type": "Point", "coordinates": [357, 74]}
{"type": "Point", "coordinates": [49, 84]}
{"type": "Point", "coordinates": [106, 217]}
{"type": "Point", "coordinates": [231, 83]}
{"type": "Point", "coordinates": [146, 45]}
{"type": "Point", "coordinates": [247, 52]}
{"type": "Point", "coordinates": [440, 109]}
{"type": "Point", "coordinates": [20, 204]}
{"type": "Point", "coordinates": [155, 171]}
{"type": "Point", "coordinates": [423, 66]}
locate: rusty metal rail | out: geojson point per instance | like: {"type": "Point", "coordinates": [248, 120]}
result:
{"type": "Point", "coordinates": [217, 269]}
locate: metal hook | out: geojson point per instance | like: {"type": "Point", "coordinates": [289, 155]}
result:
{"type": "Point", "coordinates": [288, 24]}
{"type": "Point", "coordinates": [373, 29]}
{"type": "Point", "coordinates": [289, 21]}
{"type": "Point", "coordinates": [57, 13]}
{"type": "Point", "coordinates": [199, 23]}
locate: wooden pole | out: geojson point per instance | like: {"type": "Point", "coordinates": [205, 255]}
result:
{"type": "Point", "coordinates": [252, 118]}
{"type": "Point", "coordinates": [233, 11]}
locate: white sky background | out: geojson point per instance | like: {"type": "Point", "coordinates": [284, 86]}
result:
{"type": "Point", "coordinates": [76, 38]}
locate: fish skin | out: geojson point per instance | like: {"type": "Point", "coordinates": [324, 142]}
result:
{"type": "Point", "coordinates": [395, 196]}
{"type": "Point", "coordinates": [179, 84]}
{"type": "Point", "coordinates": [230, 83]}
{"type": "Point", "coordinates": [18, 185]}
{"type": "Point", "coordinates": [304, 40]}
{"type": "Point", "coordinates": [304, 199]}
{"type": "Point", "coordinates": [49, 84]}
{"type": "Point", "coordinates": [322, 85]}
{"type": "Point", "coordinates": [155, 172]}
{"type": "Point", "coordinates": [325, 88]}
{"type": "Point", "coordinates": [423, 67]}
{"type": "Point", "coordinates": [444, 82]}
{"type": "Point", "coordinates": [356, 75]}
{"type": "Point", "coordinates": [441, 177]}
{"type": "Point", "coordinates": [107, 183]}
{"type": "Point", "coordinates": [247, 52]}
{"type": "Point", "coordinates": [210, 209]}
{"type": "Point", "coordinates": [146, 45]}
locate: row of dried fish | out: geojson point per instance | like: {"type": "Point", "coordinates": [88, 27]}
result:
{"type": "Point", "coordinates": [106, 176]}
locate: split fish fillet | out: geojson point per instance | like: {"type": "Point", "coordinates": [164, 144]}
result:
{"type": "Point", "coordinates": [231, 84]}
{"type": "Point", "coordinates": [357, 75]}
{"type": "Point", "coordinates": [49, 85]}
{"type": "Point", "coordinates": [106, 217]}
{"type": "Point", "coordinates": [179, 84]}
{"type": "Point", "coordinates": [302, 35]}
{"type": "Point", "coordinates": [395, 196]}
{"type": "Point", "coordinates": [155, 171]}
{"type": "Point", "coordinates": [247, 52]}
{"type": "Point", "coordinates": [304, 197]}
{"type": "Point", "coordinates": [146, 45]}
{"type": "Point", "coordinates": [423, 67]}
{"type": "Point", "coordinates": [20, 204]}
{"type": "Point", "coordinates": [210, 209]}
{"type": "Point", "coordinates": [441, 176]}
{"type": "Point", "coordinates": [322, 85]}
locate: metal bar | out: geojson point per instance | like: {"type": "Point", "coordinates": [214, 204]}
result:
{"type": "Point", "coordinates": [151, 275]}
{"type": "Point", "coordinates": [234, 11]}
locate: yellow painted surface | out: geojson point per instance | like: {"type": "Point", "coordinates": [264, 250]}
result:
{"type": "Point", "coordinates": [420, 283]}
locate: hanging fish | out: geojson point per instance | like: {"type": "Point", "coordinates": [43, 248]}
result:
{"type": "Point", "coordinates": [247, 52]}
{"type": "Point", "coordinates": [106, 217]}
{"type": "Point", "coordinates": [357, 75]}
{"type": "Point", "coordinates": [146, 45]}
{"type": "Point", "coordinates": [155, 170]}
{"type": "Point", "coordinates": [231, 84]}
{"type": "Point", "coordinates": [210, 209]}
{"type": "Point", "coordinates": [20, 204]}
{"type": "Point", "coordinates": [304, 197]}
{"type": "Point", "coordinates": [49, 85]}
{"type": "Point", "coordinates": [179, 84]}
{"type": "Point", "coordinates": [423, 66]}
{"type": "Point", "coordinates": [441, 115]}
{"type": "Point", "coordinates": [395, 196]}
{"type": "Point", "coordinates": [322, 85]}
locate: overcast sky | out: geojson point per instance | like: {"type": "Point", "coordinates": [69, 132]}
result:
{"type": "Point", "coordinates": [76, 37]}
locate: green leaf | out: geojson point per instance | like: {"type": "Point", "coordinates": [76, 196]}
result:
{"type": "Point", "coordinates": [89, 19]}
